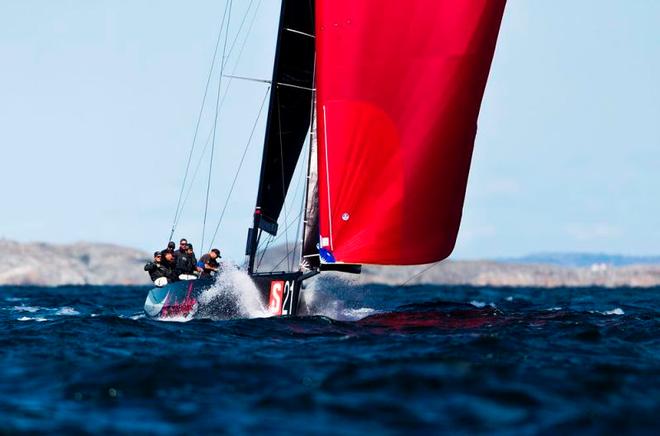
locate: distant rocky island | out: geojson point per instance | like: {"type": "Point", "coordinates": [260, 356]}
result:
{"type": "Point", "coordinates": [498, 273]}
{"type": "Point", "coordinates": [44, 264]}
{"type": "Point", "coordinates": [76, 264]}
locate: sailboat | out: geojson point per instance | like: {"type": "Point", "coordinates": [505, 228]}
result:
{"type": "Point", "coordinates": [390, 93]}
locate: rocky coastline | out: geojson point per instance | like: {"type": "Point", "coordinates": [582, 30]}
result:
{"type": "Point", "coordinates": [41, 264]}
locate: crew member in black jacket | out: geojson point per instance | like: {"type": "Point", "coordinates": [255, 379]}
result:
{"type": "Point", "coordinates": [170, 248]}
{"type": "Point", "coordinates": [183, 246]}
{"type": "Point", "coordinates": [186, 264]}
{"type": "Point", "coordinates": [191, 253]}
{"type": "Point", "coordinates": [159, 273]}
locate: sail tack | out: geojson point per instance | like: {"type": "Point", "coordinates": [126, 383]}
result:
{"type": "Point", "coordinates": [399, 87]}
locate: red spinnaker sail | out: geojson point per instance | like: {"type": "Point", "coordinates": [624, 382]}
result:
{"type": "Point", "coordinates": [399, 86]}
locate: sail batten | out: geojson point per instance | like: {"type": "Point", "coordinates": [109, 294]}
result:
{"type": "Point", "coordinates": [399, 87]}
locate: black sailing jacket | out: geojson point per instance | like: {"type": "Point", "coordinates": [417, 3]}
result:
{"type": "Point", "coordinates": [157, 270]}
{"type": "Point", "coordinates": [185, 264]}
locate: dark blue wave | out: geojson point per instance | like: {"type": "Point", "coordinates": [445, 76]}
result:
{"type": "Point", "coordinates": [420, 359]}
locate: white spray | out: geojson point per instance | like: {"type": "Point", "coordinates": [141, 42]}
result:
{"type": "Point", "coordinates": [233, 295]}
{"type": "Point", "coordinates": [323, 297]}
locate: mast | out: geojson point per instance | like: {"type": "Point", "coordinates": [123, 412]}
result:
{"type": "Point", "coordinates": [310, 252]}
{"type": "Point", "coordinates": [288, 117]}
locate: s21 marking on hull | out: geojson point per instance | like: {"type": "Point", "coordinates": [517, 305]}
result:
{"type": "Point", "coordinates": [280, 301]}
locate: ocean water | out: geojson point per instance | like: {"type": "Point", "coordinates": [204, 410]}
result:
{"type": "Point", "coordinates": [414, 360]}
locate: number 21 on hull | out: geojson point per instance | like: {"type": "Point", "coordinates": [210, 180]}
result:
{"type": "Point", "coordinates": [281, 297]}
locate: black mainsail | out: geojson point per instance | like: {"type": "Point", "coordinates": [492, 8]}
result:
{"type": "Point", "coordinates": [289, 115]}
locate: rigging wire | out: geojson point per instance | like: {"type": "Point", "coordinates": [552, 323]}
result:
{"type": "Point", "coordinates": [181, 204]}
{"type": "Point", "coordinates": [240, 165]}
{"type": "Point", "coordinates": [197, 167]}
{"type": "Point", "coordinates": [286, 257]}
{"type": "Point", "coordinates": [228, 8]}
{"type": "Point", "coordinates": [424, 271]}
{"type": "Point", "coordinates": [302, 176]}
{"type": "Point", "coordinates": [300, 228]}
{"type": "Point", "coordinates": [303, 206]}
{"type": "Point", "coordinates": [299, 218]}
{"type": "Point", "coordinates": [298, 233]}
{"type": "Point", "coordinates": [272, 240]}
{"type": "Point", "coordinates": [240, 26]}
{"type": "Point", "coordinates": [199, 119]}
{"type": "Point", "coordinates": [240, 52]}
{"type": "Point", "coordinates": [308, 174]}
{"type": "Point", "coordinates": [299, 184]}
{"type": "Point", "coordinates": [296, 220]}
{"type": "Point", "coordinates": [213, 133]}
{"type": "Point", "coordinates": [279, 236]}
{"type": "Point", "coordinates": [263, 253]}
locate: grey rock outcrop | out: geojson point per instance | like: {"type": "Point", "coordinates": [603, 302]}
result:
{"type": "Point", "coordinates": [75, 264]}
{"type": "Point", "coordinates": [514, 272]}
{"type": "Point", "coordinates": [489, 273]}
{"type": "Point", "coordinates": [106, 264]}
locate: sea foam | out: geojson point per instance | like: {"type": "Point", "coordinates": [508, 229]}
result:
{"type": "Point", "coordinates": [323, 297]}
{"type": "Point", "coordinates": [27, 318]}
{"type": "Point", "coordinates": [67, 311]}
{"type": "Point", "coordinates": [236, 287]}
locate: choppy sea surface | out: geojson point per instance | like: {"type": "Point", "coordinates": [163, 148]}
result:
{"type": "Point", "coordinates": [419, 359]}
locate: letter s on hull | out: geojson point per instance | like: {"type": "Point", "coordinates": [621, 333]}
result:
{"type": "Point", "coordinates": [275, 299]}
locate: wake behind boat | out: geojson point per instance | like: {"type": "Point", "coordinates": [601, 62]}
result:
{"type": "Point", "coordinates": [386, 120]}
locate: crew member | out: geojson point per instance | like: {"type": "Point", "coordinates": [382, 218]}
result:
{"type": "Point", "coordinates": [209, 263]}
{"type": "Point", "coordinates": [169, 263]}
{"type": "Point", "coordinates": [158, 272]}
{"type": "Point", "coordinates": [191, 253]}
{"type": "Point", "coordinates": [183, 244]}
{"type": "Point", "coordinates": [185, 265]}
{"type": "Point", "coordinates": [170, 248]}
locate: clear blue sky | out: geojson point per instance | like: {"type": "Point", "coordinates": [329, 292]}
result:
{"type": "Point", "coordinates": [98, 103]}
